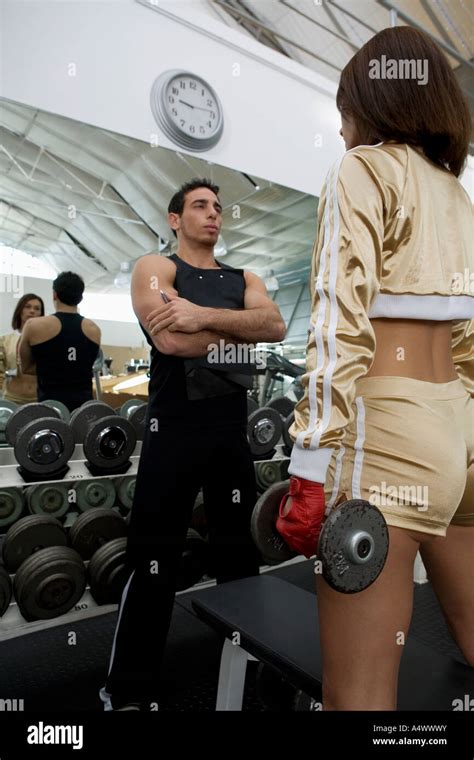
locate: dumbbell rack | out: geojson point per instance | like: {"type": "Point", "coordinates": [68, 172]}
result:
{"type": "Point", "coordinates": [12, 622]}
{"type": "Point", "coordinates": [11, 478]}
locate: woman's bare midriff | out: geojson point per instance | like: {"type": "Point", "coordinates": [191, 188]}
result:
{"type": "Point", "coordinates": [415, 348]}
{"type": "Point", "coordinates": [22, 386]}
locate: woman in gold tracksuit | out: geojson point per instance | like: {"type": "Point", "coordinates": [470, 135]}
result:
{"type": "Point", "coordinates": [21, 389]}
{"type": "Point", "coordinates": [388, 409]}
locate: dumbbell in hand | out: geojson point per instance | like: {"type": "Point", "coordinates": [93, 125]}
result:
{"type": "Point", "coordinates": [351, 545]}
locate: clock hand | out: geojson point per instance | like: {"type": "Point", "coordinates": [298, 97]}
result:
{"type": "Point", "coordinates": [198, 108]}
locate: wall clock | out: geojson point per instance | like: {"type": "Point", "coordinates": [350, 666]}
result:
{"type": "Point", "coordinates": [187, 109]}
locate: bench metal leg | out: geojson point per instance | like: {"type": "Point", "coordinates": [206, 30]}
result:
{"type": "Point", "coordinates": [230, 690]}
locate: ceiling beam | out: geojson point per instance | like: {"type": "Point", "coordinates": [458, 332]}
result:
{"type": "Point", "coordinates": [258, 24]}
{"type": "Point", "coordinates": [411, 21]}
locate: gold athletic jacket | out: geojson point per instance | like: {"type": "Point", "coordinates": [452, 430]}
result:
{"type": "Point", "coordinates": [395, 236]}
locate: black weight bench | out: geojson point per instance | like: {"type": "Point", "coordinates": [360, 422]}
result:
{"type": "Point", "coordinates": [271, 620]}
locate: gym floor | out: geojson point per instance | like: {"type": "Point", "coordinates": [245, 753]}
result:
{"type": "Point", "coordinates": [50, 674]}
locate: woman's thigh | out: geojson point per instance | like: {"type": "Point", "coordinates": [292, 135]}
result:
{"type": "Point", "coordinates": [363, 634]}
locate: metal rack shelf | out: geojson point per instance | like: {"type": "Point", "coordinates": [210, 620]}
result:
{"type": "Point", "coordinates": [11, 478]}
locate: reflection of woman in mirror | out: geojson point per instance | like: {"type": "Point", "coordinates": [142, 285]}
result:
{"type": "Point", "coordinates": [17, 387]}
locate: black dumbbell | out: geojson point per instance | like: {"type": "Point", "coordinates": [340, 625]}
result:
{"type": "Point", "coordinates": [252, 405]}
{"type": "Point", "coordinates": [5, 590]}
{"type": "Point", "coordinates": [125, 491]}
{"type": "Point", "coordinates": [352, 546]}
{"type": "Point", "coordinates": [95, 528]}
{"type": "Point", "coordinates": [43, 443]}
{"type": "Point", "coordinates": [91, 494]}
{"type": "Point", "coordinates": [287, 439]}
{"type": "Point", "coordinates": [269, 472]}
{"type": "Point", "coordinates": [48, 499]}
{"type": "Point", "coordinates": [107, 571]}
{"type": "Point", "coordinates": [283, 405]}
{"type": "Point", "coordinates": [61, 409]}
{"type": "Point", "coordinates": [7, 408]}
{"type": "Point", "coordinates": [108, 440]}
{"type": "Point", "coordinates": [11, 506]}
{"type": "Point", "coordinates": [264, 428]}
{"type": "Point", "coordinates": [49, 583]}
{"type": "Point", "coordinates": [135, 411]}
{"type": "Point", "coordinates": [27, 536]}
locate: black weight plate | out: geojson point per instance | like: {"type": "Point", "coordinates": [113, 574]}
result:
{"type": "Point", "coordinates": [287, 423]}
{"type": "Point", "coordinates": [252, 405]}
{"type": "Point", "coordinates": [49, 583]}
{"type": "Point", "coordinates": [127, 406]}
{"type": "Point", "coordinates": [267, 473]}
{"type": "Point", "coordinates": [110, 442]}
{"type": "Point", "coordinates": [7, 408]}
{"type": "Point", "coordinates": [138, 416]}
{"type": "Point", "coordinates": [5, 591]}
{"type": "Point", "coordinates": [95, 493]}
{"type": "Point", "coordinates": [48, 499]}
{"type": "Point", "coordinates": [107, 572]}
{"type": "Point", "coordinates": [28, 535]}
{"type": "Point", "coordinates": [24, 415]}
{"type": "Point", "coordinates": [11, 505]}
{"type": "Point", "coordinates": [92, 402]}
{"type": "Point", "coordinates": [95, 528]}
{"type": "Point", "coordinates": [126, 490]}
{"type": "Point", "coordinates": [44, 446]}
{"type": "Point", "coordinates": [85, 416]}
{"type": "Point", "coordinates": [194, 561]}
{"type": "Point", "coordinates": [264, 430]}
{"type": "Point", "coordinates": [61, 409]}
{"type": "Point", "coordinates": [283, 405]}
{"type": "Point", "coordinates": [264, 516]}
{"type": "Point", "coordinates": [354, 526]}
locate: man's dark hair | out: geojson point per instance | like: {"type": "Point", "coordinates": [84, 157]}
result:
{"type": "Point", "coordinates": [69, 288]}
{"type": "Point", "coordinates": [434, 116]}
{"type": "Point", "coordinates": [176, 204]}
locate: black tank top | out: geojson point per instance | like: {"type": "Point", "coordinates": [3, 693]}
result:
{"type": "Point", "coordinates": [212, 392]}
{"type": "Point", "coordinates": [64, 363]}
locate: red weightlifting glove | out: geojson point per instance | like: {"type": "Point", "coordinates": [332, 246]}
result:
{"type": "Point", "coordinates": [300, 528]}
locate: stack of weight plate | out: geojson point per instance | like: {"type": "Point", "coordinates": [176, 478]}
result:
{"type": "Point", "coordinates": [49, 576]}
{"type": "Point", "coordinates": [12, 504]}
{"type": "Point", "coordinates": [269, 472]}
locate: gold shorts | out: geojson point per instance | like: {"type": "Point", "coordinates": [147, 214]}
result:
{"type": "Point", "coordinates": [409, 450]}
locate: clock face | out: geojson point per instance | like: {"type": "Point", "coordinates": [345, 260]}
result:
{"type": "Point", "coordinates": [187, 109]}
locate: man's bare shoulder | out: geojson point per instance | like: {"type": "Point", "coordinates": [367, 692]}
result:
{"type": "Point", "coordinates": [90, 324]}
{"type": "Point", "coordinates": [153, 261]}
{"type": "Point", "coordinates": [39, 323]}
{"type": "Point", "coordinates": [151, 273]}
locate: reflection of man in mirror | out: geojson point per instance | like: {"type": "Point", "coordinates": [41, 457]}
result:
{"type": "Point", "coordinates": [60, 349]}
{"type": "Point", "coordinates": [195, 433]}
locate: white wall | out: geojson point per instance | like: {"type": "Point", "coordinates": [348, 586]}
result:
{"type": "Point", "coordinates": [114, 333]}
{"type": "Point", "coordinates": [281, 121]}
{"type": "Point", "coordinates": [274, 110]}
